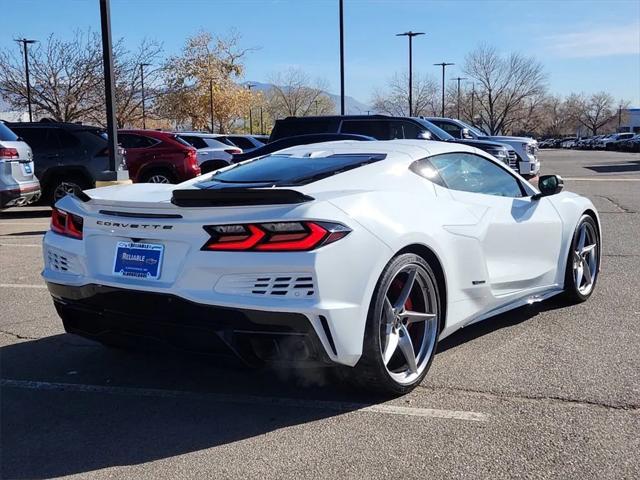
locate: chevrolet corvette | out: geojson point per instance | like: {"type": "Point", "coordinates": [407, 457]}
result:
{"type": "Point", "coordinates": [355, 254]}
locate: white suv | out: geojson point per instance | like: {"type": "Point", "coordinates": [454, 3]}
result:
{"type": "Point", "coordinates": [18, 184]}
{"type": "Point", "coordinates": [525, 147]}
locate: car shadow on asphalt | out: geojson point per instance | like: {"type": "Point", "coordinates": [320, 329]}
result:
{"type": "Point", "coordinates": [631, 166]}
{"type": "Point", "coordinates": [79, 407]}
{"type": "Point", "coordinates": [20, 213]}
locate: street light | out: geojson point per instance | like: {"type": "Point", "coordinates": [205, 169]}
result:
{"type": "Point", "coordinates": [410, 34]}
{"type": "Point", "coordinates": [458, 79]}
{"type": "Point", "coordinates": [443, 65]}
{"type": "Point", "coordinates": [142, 65]}
{"type": "Point", "coordinates": [473, 101]}
{"type": "Point", "coordinates": [249, 87]}
{"type": "Point", "coordinates": [341, 58]}
{"type": "Point", "coordinates": [25, 42]}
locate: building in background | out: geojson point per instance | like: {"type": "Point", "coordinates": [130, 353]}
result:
{"type": "Point", "coordinates": [630, 121]}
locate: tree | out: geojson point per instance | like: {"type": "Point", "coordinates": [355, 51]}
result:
{"type": "Point", "coordinates": [65, 76]}
{"type": "Point", "coordinates": [394, 100]}
{"type": "Point", "coordinates": [294, 94]}
{"type": "Point", "coordinates": [506, 86]}
{"type": "Point", "coordinates": [595, 111]}
{"type": "Point", "coordinates": [203, 78]}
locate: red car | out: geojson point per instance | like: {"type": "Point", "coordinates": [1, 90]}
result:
{"type": "Point", "coordinates": [158, 157]}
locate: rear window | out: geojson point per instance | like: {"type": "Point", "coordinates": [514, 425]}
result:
{"type": "Point", "coordinates": [287, 170]}
{"type": "Point", "coordinates": [6, 134]}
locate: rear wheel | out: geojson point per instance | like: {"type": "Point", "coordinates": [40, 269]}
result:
{"type": "Point", "coordinates": [64, 185]}
{"type": "Point", "coordinates": [159, 176]}
{"type": "Point", "coordinates": [402, 327]}
{"type": "Point", "coordinates": [583, 261]}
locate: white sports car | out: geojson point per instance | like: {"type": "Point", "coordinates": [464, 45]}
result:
{"type": "Point", "coordinates": [360, 254]}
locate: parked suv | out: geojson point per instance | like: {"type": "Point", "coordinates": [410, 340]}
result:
{"type": "Point", "coordinates": [67, 156]}
{"type": "Point", "coordinates": [18, 184]}
{"type": "Point", "coordinates": [384, 127]}
{"type": "Point", "coordinates": [154, 156]}
{"type": "Point", "coordinates": [525, 147]}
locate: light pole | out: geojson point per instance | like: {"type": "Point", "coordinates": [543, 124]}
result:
{"type": "Point", "coordinates": [25, 42]}
{"type": "Point", "coordinates": [144, 119]}
{"type": "Point", "coordinates": [341, 57]}
{"type": "Point", "coordinates": [249, 87]}
{"type": "Point", "coordinates": [473, 102]}
{"type": "Point", "coordinates": [109, 92]}
{"type": "Point", "coordinates": [410, 34]}
{"type": "Point", "coordinates": [458, 79]}
{"type": "Point", "coordinates": [261, 122]}
{"type": "Point", "coordinates": [444, 65]}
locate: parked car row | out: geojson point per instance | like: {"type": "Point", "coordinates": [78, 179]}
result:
{"type": "Point", "coordinates": [625, 142]}
{"type": "Point", "coordinates": [70, 157]}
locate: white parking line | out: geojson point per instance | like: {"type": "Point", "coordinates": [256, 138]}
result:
{"type": "Point", "coordinates": [21, 285]}
{"type": "Point", "coordinates": [41, 224]}
{"type": "Point", "coordinates": [594, 179]}
{"type": "Point", "coordinates": [20, 245]}
{"type": "Point", "coordinates": [343, 407]}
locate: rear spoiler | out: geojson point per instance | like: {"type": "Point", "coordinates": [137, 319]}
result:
{"type": "Point", "coordinates": [232, 197]}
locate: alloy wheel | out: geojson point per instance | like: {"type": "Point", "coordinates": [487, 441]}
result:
{"type": "Point", "coordinates": [158, 178]}
{"type": "Point", "coordinates": [585, 258]}
{"type": "Point", "coordinates": [409, 324]}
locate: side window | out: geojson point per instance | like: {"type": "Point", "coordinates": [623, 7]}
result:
{"type": "Point", "coordinates": [242, 142]}
{"type": "Point", "coordinates": [65, 139]}
{"type": "Point", "coordinates": [451, 128]}
{"type": "Point", "coordinates": [411, 130]}
{"type": "Point", "coordinates": [472, 173]}
{"type": "Point", "coordinates": [195, 142]}
{"type": "Point", "coordinates": [373, 128]}
{"type": "Point", "coordinates": [36, 138]}
{"type": "Point", "coordinates": [128, 140]}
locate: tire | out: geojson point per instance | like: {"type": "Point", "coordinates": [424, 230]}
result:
{"type": "Point", "coordinates": [393, 374]}
{"type": "Point", "coordinates": [578, 285]}
{"type": "Point", "coordinates": [64, 184]}
{"type": "Point", "coordinates": [212, 165]}
{"type": "Point", "coordinates": [159, 175]}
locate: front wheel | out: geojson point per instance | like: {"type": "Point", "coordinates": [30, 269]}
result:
{"type": "Point", "coordinates": [583, 262]}
{"type": "Point", "coordinates": [402, 327]}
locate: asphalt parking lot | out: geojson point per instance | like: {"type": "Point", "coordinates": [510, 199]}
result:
{"type": "Point", "coordinates": [543, 391]}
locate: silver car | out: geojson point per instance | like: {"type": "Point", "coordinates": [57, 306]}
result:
{"type": "Point", "coordinates": [18, 184]}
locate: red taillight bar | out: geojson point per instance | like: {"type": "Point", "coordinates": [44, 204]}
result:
{"type": "Point", "coordinates": [274, 237]}
{"type": "Point", "coordinates": [67, 224]}
{"type": "Point", "coordinates": [8, 153]}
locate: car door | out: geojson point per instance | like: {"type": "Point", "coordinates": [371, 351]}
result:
{"type": "Point", "coordinates": [520, 237]}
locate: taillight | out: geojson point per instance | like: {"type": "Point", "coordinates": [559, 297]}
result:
{"type": "Point", "coordinates": [274, 236]}
{"type": "Point", "coordinates": [233, 151]}
{"type": "Point", "coordinates": [66, 223]}
{"type": "Point", "coordinates": [8, 153]}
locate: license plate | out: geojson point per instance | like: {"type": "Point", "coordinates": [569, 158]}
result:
{"type": "Point", "coordinates": [138, 260]}
{"type": "Point", "coordinates": [27, 168]}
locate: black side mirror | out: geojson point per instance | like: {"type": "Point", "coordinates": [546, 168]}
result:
{"type": "Point", "coordinates": [549, 185]}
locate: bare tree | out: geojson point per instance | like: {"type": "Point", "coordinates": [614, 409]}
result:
{"type": "Point", "coordinates": [506, 86]}
{"type": "Point", "coordinates": [64, 77]}
{"type": "Point", "coordinates": [394, 99]}
{"type": "Point", "coordinates": [595, 111]}
{"type": "Point", "coordinates": [294, 94]}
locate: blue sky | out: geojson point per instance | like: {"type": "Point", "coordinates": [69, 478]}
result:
{"type": "Point", "coordinates": [585, 46]}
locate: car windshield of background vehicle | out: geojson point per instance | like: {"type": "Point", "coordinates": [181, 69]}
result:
{"type": "Point", "coordinates": [287, 170]}
{"type": "Point", "coordinates": [6, 134]}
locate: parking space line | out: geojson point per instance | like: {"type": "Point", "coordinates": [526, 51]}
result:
{"type": "Point", "coordinates": [343, 407]}
{"type": "Point", "coordinates": [21, 285]}
{"type": "Point", "coordinates": [42, 224]}
{"type": "Point", "coordinates": [20, 245]}
{"type": "Point", "coordinates": [598, 179]}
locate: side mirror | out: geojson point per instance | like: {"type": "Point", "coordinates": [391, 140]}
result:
{"type": "Point", "coordinates": [549, 185]}
{"type": "Point", "coordinates": [425, 135]}
{"type": "Point", "coordinates": [465, 133]}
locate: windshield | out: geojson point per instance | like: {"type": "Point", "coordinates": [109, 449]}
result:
{"type": "Point", "coordinates": [282, 169]}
